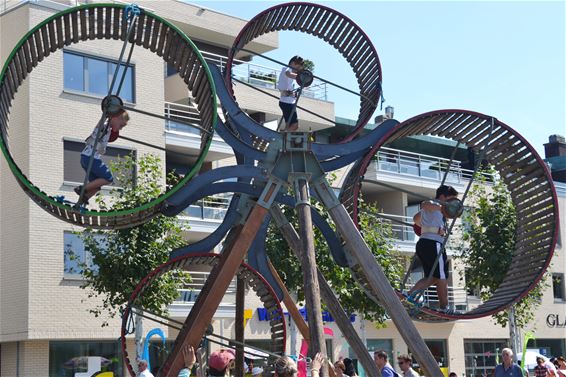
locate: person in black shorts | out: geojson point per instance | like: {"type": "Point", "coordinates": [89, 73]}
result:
{"type": "Point", "coordinates": [430, 246]}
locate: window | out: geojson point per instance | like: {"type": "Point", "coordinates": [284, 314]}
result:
{"type": "Point", "coordinates": [438, 350]}
{"type": "Point", "coordinates": [481, 356]}
{"type": "Point", "coordinates": [68, 358]}
{"type": "Point", "coordinates": [381, 344]}
{"type": "Point", "coordinates": [74, 173]}
{"type": "Point", "coordinates": [558, 286]}
{"type": "Point", "coordinates": [170, 70]}
{"type": "Point", "coordinates": [92, 75]}
{"type": "Point", "coordinates": [75, 254]}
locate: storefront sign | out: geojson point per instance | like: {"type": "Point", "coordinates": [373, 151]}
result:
{"type": "Point", "coordinates": [263, 315]}
{"type": "Point", "coordinates": [556, 320]}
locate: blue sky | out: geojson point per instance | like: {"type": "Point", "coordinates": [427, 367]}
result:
{"type": "Point", "coordinates": [505, 59]}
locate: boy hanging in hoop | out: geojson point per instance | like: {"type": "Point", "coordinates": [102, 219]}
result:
{"type": "Point", "coordinates": [100, 174]}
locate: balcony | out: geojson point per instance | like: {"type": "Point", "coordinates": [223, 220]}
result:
{"type": "Point", "coordinates": [425, 167]}
{"type": "Point", "coordinates": [314, 98]}
{"type": "Point", "coordinates": [205, 216]}
{"type": "Point", "coordinates": [180, 137]}
{"type": "Point", "coordinates": [457, 297]}
{"type": "Point", "coordinates": [189, 292]}
{"type": "Point", "coordinates": [262, 76]}
{"type": "Point", "coordinates": [560, 188]}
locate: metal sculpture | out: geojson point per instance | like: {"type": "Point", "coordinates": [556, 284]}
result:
{"type": "Point", "coordinates": [269, 161]}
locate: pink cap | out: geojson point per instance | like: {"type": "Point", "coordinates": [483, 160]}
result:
{"type": "Point", "coordinates": [219, 360]}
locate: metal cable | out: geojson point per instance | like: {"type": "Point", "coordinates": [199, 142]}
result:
{"type": "Point", "coordinates": [140, 312]}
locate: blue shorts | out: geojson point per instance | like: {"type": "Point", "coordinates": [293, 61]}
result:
{"type": "Point", "coordinates": [98, 169]}
{"type": "Point", "coordinates": [287, 108]}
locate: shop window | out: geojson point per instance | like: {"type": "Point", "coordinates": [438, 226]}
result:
{"type": "Point", "coordinates": [93, 75]}
{"type": "Point", "coordinates": [481, 356]}
{"type": "Point", "coordinates": [380, 344]}
{"type": "Point", "coordinates": [68, 358]}
{"type": "Point", "coordinates": [558, 286]}
{"type": "Point", "coordinates": [74, 173]}
{"type": "Point", "coordinates": [252, 358]}
{"type": "Point", "coordinates": [75, 254]}
{"type": "Point", "coordinates": [439, 351]}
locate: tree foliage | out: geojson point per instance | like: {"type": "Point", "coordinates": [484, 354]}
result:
{"type": "Point", "coordinates": [122, 258]}
{"type": "Point", "coordinates": [489, 235]}
{"type": "Point", "coordinates": [308, 64]}
{"type": "Point", "coordinates": [378, 236]}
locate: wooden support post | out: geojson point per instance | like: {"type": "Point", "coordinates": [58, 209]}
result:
{"type": "Point", "coordinates": [294, 311]}
{"type": "Point", "coordinates": [310, 278]}
{"type": "Point", "coordinates": [239, 326]}
{"type": "Point", "coordinates": [291, 307]}
{"type": "Point", "coordinates": [383, 290]}
{"type": "Point", "coordinates": [328, 297]}
{"type": "Point", "coordinates": [238, 242]}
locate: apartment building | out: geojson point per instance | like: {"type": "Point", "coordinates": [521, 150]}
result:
{"type": "Point", "coordinates": [45, 327]}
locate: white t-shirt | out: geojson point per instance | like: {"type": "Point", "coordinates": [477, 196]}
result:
{"type": "Point", "coordinates": [286, 83]}
{"type": "Point", "coordinates": [146, 373]}
{"type": "Point", "coordinates": [102, 143]}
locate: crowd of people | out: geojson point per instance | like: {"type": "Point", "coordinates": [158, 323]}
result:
{"type": "Point", "coordinates": [222, 362]}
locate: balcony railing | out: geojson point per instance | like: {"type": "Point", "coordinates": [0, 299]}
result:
{"type": "Point", "coordinates": [420, 165]}
{"type": "Point", "coordinates": [457, 297]}
{"type": "Point", "coordinates": [560, 188]}
{"type": "Point", "coordinates": [401, 232]}
{"type": "Point", "coordinates": [263, 76]}
{"type": "Point", "coordinates": [184, 114]}
{"type": "Point", "coordinates": [189, 292]}
{"type": "Point", "coordinates": [209, 208]}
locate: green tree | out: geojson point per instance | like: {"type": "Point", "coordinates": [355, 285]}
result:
{"type": "Point", "coordinates": [378, 236]}
{"type": "Point", "coordinates": [122, 258]}
{"type": "Point", "coordinates": [308, 64]}
{"type": "Point", "coordinates": [489, 236]}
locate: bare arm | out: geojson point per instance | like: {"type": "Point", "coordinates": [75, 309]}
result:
{"type": "Point", "coordinates": [429, 205]}
{"type": "Point", "coordinates": [417, 219]}
{"type": "Point", "coordinates": [291, 75]}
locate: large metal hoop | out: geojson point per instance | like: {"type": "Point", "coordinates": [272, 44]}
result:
{"type": "Point", "coordinates": [106, 21]}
